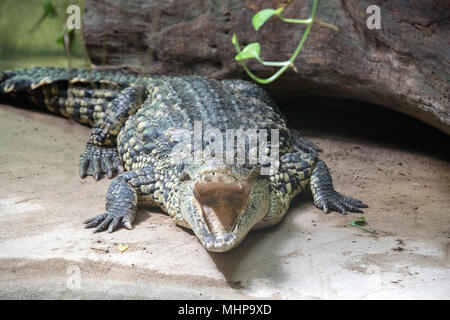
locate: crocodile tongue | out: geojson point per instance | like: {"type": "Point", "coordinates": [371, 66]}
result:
{"type": "Point", "coordinates": [221, 207]}
{"type": "Point", "coordinates": [222, 201]}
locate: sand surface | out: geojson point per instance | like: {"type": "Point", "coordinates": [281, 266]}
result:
{"type": "Point", "coordinates": [46, 253]}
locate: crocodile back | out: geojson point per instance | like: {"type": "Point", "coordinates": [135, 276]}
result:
{"type": "Point", "coordinates": [196, 105]}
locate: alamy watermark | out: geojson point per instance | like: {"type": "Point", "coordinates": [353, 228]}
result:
{"type": "Point", "coordinates": [234, 146]}
{"type": "Point", "coordinates": [73, 21]}
{"type": "Point", "coordinates": [73, 281]}
{"type": "Point", "coordinates": [374, 20]}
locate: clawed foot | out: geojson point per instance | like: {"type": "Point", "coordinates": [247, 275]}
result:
{"type": "Point", "coordinates": [97, 160]}
{"type": "Point", "coordinates": [337, 202]}
{"type": "Point", "coordinates": [109, 221]}
{"type": "Point", "coordinates": [121, 204]}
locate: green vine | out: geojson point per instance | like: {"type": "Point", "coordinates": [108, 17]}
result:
{"type": "Point", "coordinates": [252, 50]}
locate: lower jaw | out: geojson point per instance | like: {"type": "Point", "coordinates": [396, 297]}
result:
{"type": "Point", "coordinates": [219, 248]}
{"type": "Point", "coordinates": [222, 243]}
{"type": "Point", "coordinates": [213, 242]}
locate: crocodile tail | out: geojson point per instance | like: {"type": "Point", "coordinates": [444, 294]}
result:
{"type": "Point", "coordinates": [78, 94]}
{"type": "Point", "coordinates": [7, 87]}
{"type": "Point", "coordinates": [6, 75]}
{"type": "Point", "coordinates": [12, 82]}
{"type": "Point", "coordinates": [21, 85]}
{"type": "Point", "coordinates": [37, 77]}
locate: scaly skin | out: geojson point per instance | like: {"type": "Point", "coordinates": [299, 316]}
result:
{"type": "Point", "coordinates": [133, 118]}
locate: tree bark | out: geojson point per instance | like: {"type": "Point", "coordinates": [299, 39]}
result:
{"type": "Point", "coordinates": [404, 65]}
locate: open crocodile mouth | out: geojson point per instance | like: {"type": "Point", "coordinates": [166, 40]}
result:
{"type": "Point", "coordinates": [222, 199]}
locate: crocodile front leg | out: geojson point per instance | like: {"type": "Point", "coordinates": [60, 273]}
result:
{"type": "Point", "coordinates": [326, 198]}
{"type": "Point", "coordinates": [100, 155]}
{"type": "Point", "coordinates": [121, 205]}
{"type": "Point", "coordinates": [295, 171]}
{"type": "Point", "coordinates": [122, 200]}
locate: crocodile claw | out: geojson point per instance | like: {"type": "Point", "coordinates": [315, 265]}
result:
{"type": "Point", "coordinates": [108, 221]}
{"type": "Point", "coordinates": [340, 203]}
{"type": "Point", "coordinates": [95, 161]}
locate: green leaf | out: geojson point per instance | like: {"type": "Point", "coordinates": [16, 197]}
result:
{"type": "Point", "coordinates": [49, 8]}
{"type": "Point", "coordinates": [250, 51]}
{"type": "Point", "coordinates": [262, 16]}
{"type": "Point", "coordinates": [359, 223]}
{"type": "Point", "coordinates": [234, 39]}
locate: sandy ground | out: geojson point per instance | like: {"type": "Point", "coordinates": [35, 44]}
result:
{"type": "Point", "coordinates": [45, 253]}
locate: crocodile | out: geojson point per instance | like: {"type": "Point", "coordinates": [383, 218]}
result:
{"type": "Point", "coordinates": [133, 119]}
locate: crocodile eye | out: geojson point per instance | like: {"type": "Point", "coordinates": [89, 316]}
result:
{"type": "Point", "coordinates": [185, 177]}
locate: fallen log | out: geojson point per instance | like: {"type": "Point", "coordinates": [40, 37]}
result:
{"type": "Point", "coordinates": [404, 65]}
